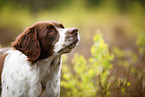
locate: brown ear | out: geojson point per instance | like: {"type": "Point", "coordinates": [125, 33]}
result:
{"type": "Point", "coordinates": [28, 44]}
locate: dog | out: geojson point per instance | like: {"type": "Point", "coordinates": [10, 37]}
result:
{"type": "Point", "coordinates": [32, 66]}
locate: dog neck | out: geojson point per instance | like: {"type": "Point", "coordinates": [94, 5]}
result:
{"type": "Point", "coordinates": [49, 66]}
{"type": "Point", "coordinates": [49, 70]}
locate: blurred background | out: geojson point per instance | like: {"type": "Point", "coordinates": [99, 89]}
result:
{"type": "Point", "coordinates": [121, 23]}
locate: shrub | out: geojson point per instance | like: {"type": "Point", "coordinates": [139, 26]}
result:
{"type": "Point", "coordinates": [91, 76]}
{"type": "Point", "coordinates": [96, 76]}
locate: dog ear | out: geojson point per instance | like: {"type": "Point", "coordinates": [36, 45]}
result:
{"type": "Point", "coordinates": [27, 42]}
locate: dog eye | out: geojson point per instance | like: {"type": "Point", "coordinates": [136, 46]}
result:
{"type": "Point", "coordinates": [51, 31]}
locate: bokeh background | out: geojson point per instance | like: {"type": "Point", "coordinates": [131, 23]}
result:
{"type": "Point", "coordinates": [120, 24]}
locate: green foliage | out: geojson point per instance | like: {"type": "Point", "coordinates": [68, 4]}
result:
{"type": "Point", "coordinates": [131, 69]}
{"type": "Point", "coordinates": [90, 76]}
{"type": "Point", "coordinates": [141, 42]}
{"type": "Point", "coordinates": [96, 76]}
{"type": "Point", "coordinates": [125, 58]}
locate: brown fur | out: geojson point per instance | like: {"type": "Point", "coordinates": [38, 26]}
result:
{"type": "Point", "coordinates": [36, 42]}
{"type": "Point", "coordinates": [2, 58]}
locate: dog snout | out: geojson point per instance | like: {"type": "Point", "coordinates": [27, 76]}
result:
{"type": "Point", "coordinates": [73, 31]}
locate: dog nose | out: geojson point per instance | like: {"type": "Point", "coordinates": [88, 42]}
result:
{"type": "Point", "coordinates": [73, 31]}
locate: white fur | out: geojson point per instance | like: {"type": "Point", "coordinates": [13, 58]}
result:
{"type": "Point", "coordinates": [61, 42]}
{"type": "Point", "coordinates": [59, 45]}
{"type": "Point", "coordinates": [22, 79]}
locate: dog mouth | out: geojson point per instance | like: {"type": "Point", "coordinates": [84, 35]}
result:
{"type": "Point", "coordinates": [69, 47]}
{"type": "Point", "coordinates": [72, 45]}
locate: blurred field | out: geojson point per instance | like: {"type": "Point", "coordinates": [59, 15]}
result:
{"type": "Point", "coordinates": [121, 22]}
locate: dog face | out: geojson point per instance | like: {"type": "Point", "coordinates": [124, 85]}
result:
{"type": "Point", "coordinates": [46, 38]}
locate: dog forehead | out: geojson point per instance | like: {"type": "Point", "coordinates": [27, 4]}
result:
{"type": "Point", "coordinates": [57, 24]}
{"type": "Point", "coordinates": [44, 23]}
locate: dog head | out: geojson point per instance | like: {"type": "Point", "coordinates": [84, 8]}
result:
{"type": "Point", "coordinates": [46, 38]}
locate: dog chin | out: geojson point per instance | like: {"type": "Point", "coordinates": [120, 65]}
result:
{"type": "Point", "coordinates": [66, 50]}
{"type": "Point", "coordinates": [69, 47]}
